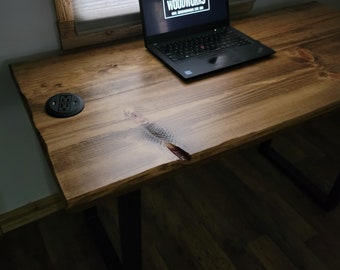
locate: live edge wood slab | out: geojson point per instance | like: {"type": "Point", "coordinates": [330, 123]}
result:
{"type": "Point", "coordinates": [134, 105]}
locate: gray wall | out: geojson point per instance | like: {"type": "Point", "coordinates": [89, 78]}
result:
{"type": "Point", "coordinates": [28, 27]}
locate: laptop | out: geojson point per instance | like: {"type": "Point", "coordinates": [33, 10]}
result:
{"type": "Point", "coordinates": [194, 37]}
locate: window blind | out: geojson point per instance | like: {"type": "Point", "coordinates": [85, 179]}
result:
{"type": "Point", "coordinates": [94, 15]}
{"type": "Point", "coordinates": [97, 9]}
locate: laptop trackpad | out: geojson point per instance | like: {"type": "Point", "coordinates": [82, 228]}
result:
{"type": "Point", "coordinates": [222, 60]}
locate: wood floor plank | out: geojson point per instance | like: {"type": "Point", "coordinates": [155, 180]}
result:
{"type": "Point", "coordinates": [68, 242]}
{"type": "Point", "coordinates": [262, 216]}
{"type": "Point", "coordinates": [157, 235]}
{"type": "Point", "coordinates": [219, 213]}
{"type": "Point", "coordinates": [187, 232]}
{"type": "Point", "coordinates": [235, 212]}
{"type": "Point", "coordinates": [24, 249]}
{"type": "Point", "coordinates": [270, 254]}
{"type": "Point", "coordinates": [285, 214]}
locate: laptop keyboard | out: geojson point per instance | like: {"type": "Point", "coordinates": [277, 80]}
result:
{"type": "Point", "coordinates": [214, 40]}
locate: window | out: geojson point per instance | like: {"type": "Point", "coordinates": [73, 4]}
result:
{"type": "Point", "coordinates": [87, 22]}
{"type": "Point", "coordinates": [92, 15]}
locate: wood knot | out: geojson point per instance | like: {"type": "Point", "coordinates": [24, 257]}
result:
{"type": "Point", "coordinates": [306, 55]}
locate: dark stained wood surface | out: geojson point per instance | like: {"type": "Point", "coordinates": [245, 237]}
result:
{"type": "Point", "coordinates": [233, 212]}
{"type": "Point", "coordinates": [101, 151]}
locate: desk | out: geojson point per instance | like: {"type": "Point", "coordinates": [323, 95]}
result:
{"type": "Point", "coordinates": [101, 151]}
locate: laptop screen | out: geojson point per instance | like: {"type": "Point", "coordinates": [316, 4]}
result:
{"type": "Point", "coordinates": [164, 16]}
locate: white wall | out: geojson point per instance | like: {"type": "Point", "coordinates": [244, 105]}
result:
{"type": "Point", "coordinates": [28, 27]}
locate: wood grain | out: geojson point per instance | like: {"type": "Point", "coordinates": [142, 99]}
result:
{"type": "Point", "coordinates": [235, 211]}
{"type": "Point", "coordinates": [100, 151]}
{"type": "Point", "coordinates": [30, 212]}
{"type": "Point", "coordinates": [64, 10]}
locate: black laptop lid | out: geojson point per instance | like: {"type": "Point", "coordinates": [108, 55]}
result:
{"type": "Point", "coordinates": [161, 17]}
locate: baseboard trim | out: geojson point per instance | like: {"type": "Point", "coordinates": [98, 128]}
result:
{"type": "Point", "coordinates": [30, 212]}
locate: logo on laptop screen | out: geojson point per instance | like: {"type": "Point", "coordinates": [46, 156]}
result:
{"type": "Point", "coordinates": [176, 8]}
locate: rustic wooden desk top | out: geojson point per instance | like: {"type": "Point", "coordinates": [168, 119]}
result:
{"type": "Point", "coordinates": [102, 151]}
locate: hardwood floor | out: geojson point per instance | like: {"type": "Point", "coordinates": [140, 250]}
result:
{"type": "Point", "coordinates": [235, 212]}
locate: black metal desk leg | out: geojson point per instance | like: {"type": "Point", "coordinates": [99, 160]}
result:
{"type": "Point", "coordinates": [101, 239]}
{"type": "Point", "coordinates": [130, 230]}
{"type": "Point", "coordinates": [130, 227]}
{"type": "Point", "coordinates": [327, 201]}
